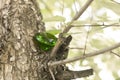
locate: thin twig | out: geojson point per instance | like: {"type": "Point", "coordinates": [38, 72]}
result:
{"type": "Point", "coordinates": [115, 53]}
{"type": "Point", "coordinates": [115, 2]}
{"type": "Point", "coordinates": [91, 54]}
{"type": "Point", "coordinates": [53, 77]}
{"type": "Point", "coordinates": [77, 15]}
{"type": "Point", "coordinates": [60, 40]}
{"type": "Point", "coordinates": [86, 41]}
{"type": "Point", "coordinates": [105, 26]}
{"type": "Point", "coordinates": [82, 9]}
{"type": "Point", "coordinates": [76, 48]}
{"type": "Point", "coordinates": [95, 25]}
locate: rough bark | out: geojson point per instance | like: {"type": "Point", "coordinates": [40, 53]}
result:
{"type": "Point", "coordinates": [19, 20]}
{"type": "Point", "coordinates": [19, 58]}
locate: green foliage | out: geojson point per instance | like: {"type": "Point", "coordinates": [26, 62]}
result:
{"type": "Point", "coordinates": [54, 18]}
{"type": "Point", "coordinates": [53, 32]}
{"type": "Point", "coordinates": [112, 6]}
{"type": "Point", "coordinates": [93, 23]}
{"type": "Point", "coordinates": [117, 79]}
{"type": "Point", "coordinates": [103, 17]}
{"type": "Point", "coordinates": [109, 4]}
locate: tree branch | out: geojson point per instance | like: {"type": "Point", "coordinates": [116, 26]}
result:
{"type": "Point", "coordinates": [82, 10]}
{"type": "Point", "coordinates": [94, 25]}
{"type": "Point", "coordinates": [67, 75]}
{"type": "Point", "coordinates": [77, 15]}
{"type": "Point", "coordinates": [115, 53]}
{"type": "Point", "coordinates": [102, 51]}
{"type": "Point", "coordinates": [61, 39]}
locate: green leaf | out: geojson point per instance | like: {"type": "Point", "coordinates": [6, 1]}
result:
{"type": "Point", "coordinates": [54, 32]}
{"type": "Point", "coordinates": [99, 4]}
{"type": "Point", "coordinates": [54, 18]}
{"type": "Point", "coordinates": [117, 79]}
{"type": "Point", "coordinates": [97, 43]}
{"type": "Point", "coordinates": [79, 22]}
{"type": "Point", "coordinates": [113, 6]}
{"type": "Point", "coordinates": [103, 17]}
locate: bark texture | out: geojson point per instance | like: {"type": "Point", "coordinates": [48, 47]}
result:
{"type": "Point", "coordinates": [19, 21]}
{"type": "Point", "coordinates": [19, 58]}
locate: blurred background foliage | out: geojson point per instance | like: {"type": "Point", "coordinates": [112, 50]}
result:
{"type": "Point", "coordinates": [97, 28]}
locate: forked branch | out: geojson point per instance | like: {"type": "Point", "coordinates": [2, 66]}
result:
{"type": "Point", "coordinates": [91, 54]}
{"type": "Point", "coordinates": [60, 39]}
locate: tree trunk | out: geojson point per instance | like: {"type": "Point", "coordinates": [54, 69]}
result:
{"type": "Point", "coordinates": [19, 21]}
